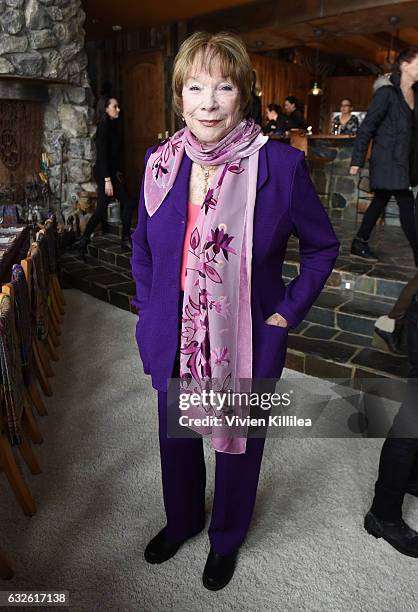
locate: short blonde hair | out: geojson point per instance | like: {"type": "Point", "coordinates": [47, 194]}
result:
{"type": "Point", "coordinates": [233, 58]}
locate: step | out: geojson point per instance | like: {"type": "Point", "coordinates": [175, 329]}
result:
{"type": "Point", "coordinates": [107, 282]}
{"type": "Point", "coordinates": [330, 353]}
{"type": "Point", "coordinates": [334, 341]}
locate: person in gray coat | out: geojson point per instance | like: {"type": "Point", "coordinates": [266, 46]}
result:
{"type": "Point", "coordinates": [392, 123]}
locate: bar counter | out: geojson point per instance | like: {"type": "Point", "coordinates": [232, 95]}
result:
{"type": "Point", "coordinates": [329, 157]}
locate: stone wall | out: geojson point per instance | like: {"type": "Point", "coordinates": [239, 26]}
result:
{"type": "Point", "coordinates": [44, 39]}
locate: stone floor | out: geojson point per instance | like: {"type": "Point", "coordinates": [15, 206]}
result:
{"type": "Point", "coordinates": [336, 338]}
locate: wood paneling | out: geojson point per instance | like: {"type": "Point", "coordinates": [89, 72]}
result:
{"type": "Point", "coordinates": [278, 79]}
{"type": "Point", "coordinates": [144, 117]}
{"type": "Point", "coordinates": [20, 142]}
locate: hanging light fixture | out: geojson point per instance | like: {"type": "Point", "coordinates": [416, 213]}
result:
{"type": "Point", "coordinates": [316, 89]}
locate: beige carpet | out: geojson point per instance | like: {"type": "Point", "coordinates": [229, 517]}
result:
{"type": "Point", "coordinates": [99, 502]}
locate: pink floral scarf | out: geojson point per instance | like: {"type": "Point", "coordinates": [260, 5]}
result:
{"type": "Point", "coordinates": [216, 333]}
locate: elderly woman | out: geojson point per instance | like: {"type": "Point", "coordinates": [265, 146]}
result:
{"type": "Point", "coordinates": [218, 204]}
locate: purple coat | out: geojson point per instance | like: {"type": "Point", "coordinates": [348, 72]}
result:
{"type": "Point", "coordinates": [286, 203]}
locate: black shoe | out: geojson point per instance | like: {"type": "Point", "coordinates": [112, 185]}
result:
{"type": "Point", "coordinates": [391, 342]}
{"type": "Point", "coordinates": [159, 549]}
{"type": "Point", "coordinates": [360, 250]}
{"type": "Point", "coordinates": [219, 570]}
{"type": "Point", "coordinates": [397, 533]}
{"type": "Point", "coordinates": [412, 487]}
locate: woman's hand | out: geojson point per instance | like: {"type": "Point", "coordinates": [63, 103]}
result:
{"type": "Point", "coordinates": [354, 169]}
{"type": "Point", "coordinates": [277, 319]}
{"type": "Point", "coordinates": [108, 188]}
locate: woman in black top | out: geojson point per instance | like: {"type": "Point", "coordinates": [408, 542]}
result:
{"type": "Point", "coordinates": [346, 123]}
{"type": "Point", "coordinates": [108, 172]}
{"type": "Point", "coordinates": [294, 111]}
{"type": "Point", "coordinates": [277, 123]}
{"type": "Point", "coordinates": [391, 120]}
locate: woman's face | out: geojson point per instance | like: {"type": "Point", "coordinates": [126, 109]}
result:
{"type": "Point", "coordinates": [113, 109]}
{"type": "Point", "coordinates": [345, 107]}
{"type": "Point", "coordinates": [411, 69]}
{"type": "Point", "coordinates": [271, 115]}
{"type": "Point", "coordinates": [289, 107]}
{"type": "Point", "coordinates": [211, 103]}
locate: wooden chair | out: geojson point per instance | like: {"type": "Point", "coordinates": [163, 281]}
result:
{"type": "Point", "coordinates": [42, 366]}
{"type": "Point", "coordinates": [51, 238]}
{"type": "Point", "coordinates": [18, 290]}
{"type": "Point", "coordinates": [17, 423]}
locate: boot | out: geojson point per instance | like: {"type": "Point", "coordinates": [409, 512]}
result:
{"type": "Point", "coordinates": [396, 533]}
{"type": "Point", "coordinates": [360, 250]}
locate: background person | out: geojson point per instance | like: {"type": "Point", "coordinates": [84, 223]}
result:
{"type": "Point", "coordinates": [392, 122]}
{"type": "Point", "coordinates": [294, 111]}
{"type": "Point", "coordinates": [277, 122]}
{"type": "Point", "coordinates": [346, 123]}
{"type": "Point", "coordinates": [108, 172]}
{"type": "Point", "coordinates": [201, 188]}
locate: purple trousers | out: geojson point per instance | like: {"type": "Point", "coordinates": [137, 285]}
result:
{"type": "Point", "coordinates": [184, 478]}
{"type": "Point", "coordinates": [183, 475]}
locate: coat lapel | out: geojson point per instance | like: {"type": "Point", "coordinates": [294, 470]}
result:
{"type": "Point", "coordinates": [263, 170]}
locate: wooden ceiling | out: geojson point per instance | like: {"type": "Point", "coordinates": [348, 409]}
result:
{"type": "Point", "coordinates": [349, 28]}
{"type": "Point", "coordinates": [135, 14]}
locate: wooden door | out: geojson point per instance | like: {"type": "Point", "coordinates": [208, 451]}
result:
{"type": "Point", "coordinates": [143, 111]}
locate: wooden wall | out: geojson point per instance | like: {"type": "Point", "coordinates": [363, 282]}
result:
{"type": "Point", "coordinates": [278, 79]}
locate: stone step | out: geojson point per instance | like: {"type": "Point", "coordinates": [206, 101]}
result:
{"type": "Point", "coordinates": [329, 353]}
{"type": "Point", "coordinates": [333, 342]}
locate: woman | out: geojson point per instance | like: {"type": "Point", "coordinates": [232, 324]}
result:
{"type": "Point", "coordinates": [294, 111]}
{"type": "Point", "coordinates": [392, 123]}
{"type": "Point", "coordinates": [346, 122]}
{"type": "Point", "coordinates": [108, 174]}
{"type": "Point", "coordinates": [217, 206]}
{"type": "Point", "coordinates": [277, 123]}
{"type": "Point", "coordinates": [398, 465]}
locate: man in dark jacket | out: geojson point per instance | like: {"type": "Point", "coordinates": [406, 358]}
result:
{"type": "Point", "coordinates": [392, 122]}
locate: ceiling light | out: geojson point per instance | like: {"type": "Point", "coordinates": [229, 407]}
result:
{"type": "Point", "coordinates": [116, 28]}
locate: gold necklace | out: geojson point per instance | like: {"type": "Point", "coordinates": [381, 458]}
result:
{"type": "Point", "coordinates": [207, 174]}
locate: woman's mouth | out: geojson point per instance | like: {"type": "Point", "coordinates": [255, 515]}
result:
{"type": "Point", "coordinates": [211, 123]}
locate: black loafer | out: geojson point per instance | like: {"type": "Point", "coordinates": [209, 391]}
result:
{"type": "Point", "coordinates": [396, 533]}
{"type": "Point", "coordinates": [159, 549]}
{"type": "Point", "coordinates": [360, 250]}
{"type": "Point", "coordinates": [219, 570]}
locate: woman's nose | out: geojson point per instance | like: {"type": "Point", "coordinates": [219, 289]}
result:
{"type": "Point", "coordinates": [209, 102]}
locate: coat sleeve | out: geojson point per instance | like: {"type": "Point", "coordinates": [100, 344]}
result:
{"type": "Point", "coordinates": [141, 261]}
{"type": "Point", "coordinates": [318, 247]}
{"type": "Point", "coordinates": [102, 157]}
{"type": "Point", "coordinates": [377, 110]}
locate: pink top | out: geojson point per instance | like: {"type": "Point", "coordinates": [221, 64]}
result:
{"type": "Point", "coordinates": [192, 214]}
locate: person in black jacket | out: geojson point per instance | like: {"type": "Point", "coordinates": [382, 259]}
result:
{"type": "Point", "coordinates": [108, 173]}
{"type": "Point", "coordinates": [392, 122]}
{"type": "Point", "coordinates": [277, 122]}
{"type": "Point", "coordinates": [294, 111]}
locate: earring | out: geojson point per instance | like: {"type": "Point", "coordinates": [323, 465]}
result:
{"type": "Point", "coordinates": [183, 119]}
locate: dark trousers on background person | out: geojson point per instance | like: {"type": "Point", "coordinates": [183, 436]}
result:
{"type": "Point", "coordinates": [127, 206]}
{"type": "Point", "coordinates": [399, 456]}
{"type": "Point", "coordinates": [407, 214]}
{"type": "Point", "coordinates": [183, 474]}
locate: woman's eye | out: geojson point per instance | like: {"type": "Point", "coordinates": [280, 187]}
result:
{"type": "Point", "coordinates": [194, 88]}
{"type": "Point", "coordinates": [226, 87]}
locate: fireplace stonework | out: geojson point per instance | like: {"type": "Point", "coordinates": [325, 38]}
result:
{"type": "Point", "coordinates": [44, 40]}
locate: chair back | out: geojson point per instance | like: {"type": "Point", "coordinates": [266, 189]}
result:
{"type": "Point", "coordinates": [11, 370]}
{"type": "Point", "coordinates": [18, 287]}
{"type": "Point", "coordinates": [39, 291]}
